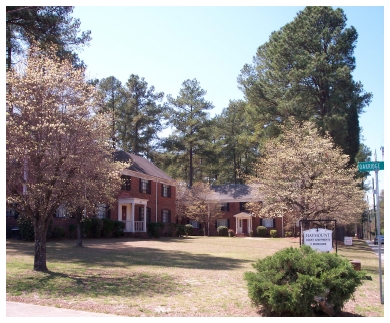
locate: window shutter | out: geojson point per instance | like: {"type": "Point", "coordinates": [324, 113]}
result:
{"type": "Point", "coordinates": [162, 190]}
{"type": "Point", "coordinates": [228, 223]}
{"type": "Point", "coordinates": [188, 221]}
{"type": "Point", "coordinates": [140, 185]}
{"type": "Point", "coordinates": [273, 223]}
{"type": "Point", "coordinates": [169, 216]}
{"type": "Point", "coordinates": [261, 221]}
{"type": "Point", "coordinates": [169, 191]}
{"type": "Point", "coordinates": [227, 207]}
{"type": "Point", "coordinates": [216, 224]}
{"type": "Point", "coordinates": [150, 187]}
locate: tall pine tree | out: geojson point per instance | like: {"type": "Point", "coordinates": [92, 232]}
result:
{"type": "Point", "coordinates": [305, 71]}
{"type": "Point", "coordinates": [141, 116]}
{"type": "Point", "coordinates": [187, 117]}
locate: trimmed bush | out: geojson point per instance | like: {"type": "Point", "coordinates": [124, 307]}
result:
{"type": "Point", "coordinates": [273, 233]}
{"type": "Point", "coordinates": [107, 228]}
{"type": "Point", "coordinates": [261, 231]}
{"type": "Point", "coordinates": [288, 234]}
{"type": "Point", "coordinates": [223, 231]}
{"type": "Point", "coordinates": [231, 233]}
{"type": "Point", "coordinates": [72, 231]}
{"type": "Point", "coordinates": [26, 228]}
{"type": "Point", "coordinates": [180, 230]}
{"type": "Point", "coordinates": [189, 229]}
{"type": "Point", "coordinates": [170, 229]}
{"type": "Point", "coordinates": [96, 228]}
{"type": "Point", "coordinates": [86, 225]}
{"type": "Point", "coordinates": [155, 229]}
{"type": "Point", "coordinates": [251, 233]}
{"type": "Point", "coordinates": [118, 229]}
{"type": "Point", "coordinates": [295, 281]}
{"type": "Point", "coordinates": [58, 232]}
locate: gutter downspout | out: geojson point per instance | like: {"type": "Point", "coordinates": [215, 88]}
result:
{"type": "Point", "coordinates": [156, 198]}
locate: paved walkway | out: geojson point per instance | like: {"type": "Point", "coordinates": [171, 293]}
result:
{"type": "Point", "coordinates": [29, 310]}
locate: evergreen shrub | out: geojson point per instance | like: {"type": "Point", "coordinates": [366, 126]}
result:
{"type": "Point", "coordinates": [86, 225]}
{"type": "Point", "coordinates": [261, 231]}
{"type": "Point", "coordinates": [72, 231]}
{"type": "Point", "coordinates": [189, 229]}
{"type": "Point", "coordinates": [293, 281]}
{"type": "Point", "coordinates": [231, 233]}
{"type": "Point", "coordinates": [180, 230]}
{"type": "Point", "coordinates": [118, 229]}
{"type": "Point", "coordinates": [58, 232]}
{"type": "Point", "coordinates": [273, 233]}
{"type": "Point", "coordinates": [155, 229]}
{"type": "Point", "coordinates": [96, 228]}
{"type": "Point", "coordinates": [222, 231]}
{"type": "Point", "coordinates": [26, 228]}
{"type": "Point", "coordinates": [108, 227]}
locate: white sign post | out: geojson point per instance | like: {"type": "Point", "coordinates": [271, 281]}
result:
{"type": "Point", "coordinates": [319, 239]}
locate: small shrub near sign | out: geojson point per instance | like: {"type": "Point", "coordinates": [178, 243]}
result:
{"type": "Point", "coordinates": [299, 281]}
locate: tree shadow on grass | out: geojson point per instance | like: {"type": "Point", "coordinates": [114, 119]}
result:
{"type": "Point", "coordinates": [101, 284]}
{"type": "Point", "coordinates": [111, 254]}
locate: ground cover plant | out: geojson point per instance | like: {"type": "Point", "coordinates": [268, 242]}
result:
{"type": "Point", "coordinates": [181, 277]}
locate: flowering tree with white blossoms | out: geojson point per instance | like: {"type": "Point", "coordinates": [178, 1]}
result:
{"type": "Point", "coordinates": [201, 207]}
{"type": "Point", "coordinates": [302, 174]}
{"type": "Point", "coordinates": [57, 146]}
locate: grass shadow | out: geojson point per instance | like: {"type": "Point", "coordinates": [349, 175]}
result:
{"type": "Point", "coordinates": [111, 254]}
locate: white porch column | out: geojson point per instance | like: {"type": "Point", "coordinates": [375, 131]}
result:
{"type": "Point", "coordinates": [144, 217]}
{"type": "Point", "coordinates": [132, 216]}
{"type": "Point", "coordinates": [236, 225]}
{"type": "Point", "coordinates": [119, 211]}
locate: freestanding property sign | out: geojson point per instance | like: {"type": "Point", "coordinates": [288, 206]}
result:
{"type": "Point", "coordinates": [319, 239]}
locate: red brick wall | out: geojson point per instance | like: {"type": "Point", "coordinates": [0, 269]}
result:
{"type": "Point", "coordinates": [163, 203]}
{"type": "Point", "coordinates": [234, 208]}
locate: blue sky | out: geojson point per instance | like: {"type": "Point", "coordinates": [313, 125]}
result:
{"type": "Point", "coordinates": [169, 44]}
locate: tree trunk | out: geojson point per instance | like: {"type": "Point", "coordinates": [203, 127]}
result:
{"type": "Point", "coordinates": [191, 169]}
{"type": "Point", "coordinates": [40, 228]}
{"type": "Point", "coordinates": [79, 242]}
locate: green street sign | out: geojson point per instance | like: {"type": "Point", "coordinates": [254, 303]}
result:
{"type": "Point", "coordinates": [370, 166]}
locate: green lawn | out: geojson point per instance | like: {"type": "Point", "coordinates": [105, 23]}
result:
{"type": "Point", "coordinates": [194, 276]}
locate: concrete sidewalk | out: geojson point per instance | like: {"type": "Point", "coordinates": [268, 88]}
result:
{"type": "Point", "coordinates": [14, 309]}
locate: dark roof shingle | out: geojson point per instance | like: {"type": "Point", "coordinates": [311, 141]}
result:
{"type": "Point", "coordinates": [141, 165]}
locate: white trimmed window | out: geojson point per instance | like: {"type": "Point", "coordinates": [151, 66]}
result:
{"type": "Point", "coordinates": [194, 223]}
{"type": "Point", "coordinates": [166, 190]}
{"type": "Point", "coordinates": [268, 223]}
{"type": "Point", "coordinates": [61, 212]}
{"type": "Point", "coordinates": [101, 210]}
{"type": "Point", "coordinates": [166, 216]}
{"type": "Point", "coordinates": [222, 222]}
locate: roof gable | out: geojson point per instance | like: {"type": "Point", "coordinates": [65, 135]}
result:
{"type": "Point", "coordinates": [141, 165]}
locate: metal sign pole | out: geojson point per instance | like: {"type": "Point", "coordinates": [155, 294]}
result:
{"type": "Point", "coordinates": [378, 224]}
